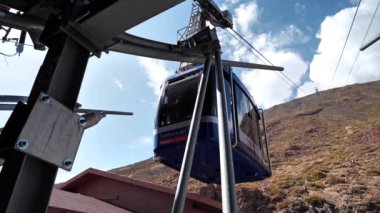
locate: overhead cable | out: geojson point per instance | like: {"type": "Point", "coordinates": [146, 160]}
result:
{"type": "Point", "coordinates": [345, 43]}
{"type": "Point", "coordinates": [244, 45]}
{"type": "Point", "coordinates": [281, 74]}
{"type": "Point", "coordinates": [5, 60]}
{"type": "Point", "coordinates": [8, 55]}
{"type": "Point", "coordinates": [249, 49]}
{"type": "Point", "coordinates": [365, 36]}
{"type": "Point", "coordinates": [252, 46]}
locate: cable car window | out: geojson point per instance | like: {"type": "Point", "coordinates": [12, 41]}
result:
{"type": "Point", "coordinates": [243, 117]}
{"type": "Point", "coordinates": [229, 103]}
{"type": "Point", "coordinates": [254, 131]}
{"type": "Point", "coordinates": [179, 99]}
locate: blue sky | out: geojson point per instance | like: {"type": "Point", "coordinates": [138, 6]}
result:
{"type": "Point", "coordinates": [305, 37]}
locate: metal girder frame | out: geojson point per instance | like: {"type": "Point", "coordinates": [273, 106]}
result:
{"type": "Point", "coordinates": [22, 22]}
{"type": "Point", "coordinates": [80, 110]}
{"type": "Point", "coordinates": [123, 15]}
{"type": "Point", "coordinates": [26, 182]}
{"type": "Point", "coordinates": [7, 106]}
{"type": "Point", "coordinates": [130, 44]}
{"type": "Point", "coordinates": [24, 177]}
{"type": "Point", "coordinates": [19, 4]}
{"type": "Point", "coordinates": [13, 98]}
{"type": "Point", "coordinates": [32, 25]}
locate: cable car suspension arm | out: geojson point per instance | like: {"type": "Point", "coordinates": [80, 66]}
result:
{"type": "Point", "coordinates": [130, 44]}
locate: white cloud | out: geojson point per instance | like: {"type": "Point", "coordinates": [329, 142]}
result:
{"type": "Point", "coordinates": [232, 1]}
{"type": "Point", "coordinates": [228, 4]}
{"type": "Point", "coordinates": [289, 36]}
{"type": "Point", "coordinates": [300, 9]}
{"type": "Point", "coordinates": [141, 142]}
{"type": "Point", "coordinates": [119, 84]}
{"type": "Point", "coordinates": [270, 88]}
{"type": "Point", "coordinates": [18, 72]}
{"type": "Point", "coordinates": [245, 15]}
{"type": "Point", "coordinates": [156, 71]}
{"type": "Point", "coordinates": [306, 89]}
{"type": "Point", "coordinates": [354, 2]}
{"type": "Point", "coordinates": [332, 36]}
{"type": "Point", "coordinates": [267, 87]}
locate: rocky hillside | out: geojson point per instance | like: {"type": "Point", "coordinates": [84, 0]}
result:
{"type": "Point", "coordinates": [325, 151]}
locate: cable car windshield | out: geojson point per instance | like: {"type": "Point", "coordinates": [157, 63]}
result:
{"type": "Point", "coordinates": [247, 120]}
{"type": "Point", "coordinates": [179, 99]}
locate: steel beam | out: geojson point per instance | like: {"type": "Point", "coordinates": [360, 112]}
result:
{"type": "Point", "coordinates": [123, 15]}
{"type": "Point", "coordinates": [13, 98]}
{"type": "Point", "coordinates": [225, 148]}
{"type": "Point", "coordinates": [129, 44]}
{"type": "Point", "coordinates": [370, 43]}
{"type": "Point", "coordinates": [21, 22]}
{"type": "Point", "coordinates": [30, 24]}
{"type": "Point", "coordinates": [26, 182]}
{"type": "Point", "coordinates": [187, 162]}
{"type": "Point", "coordinates": [108, 112]}
{"type": "Point", "coordinates": [134, 45]}
{"type": "Point", "coordinates": [8, 107]}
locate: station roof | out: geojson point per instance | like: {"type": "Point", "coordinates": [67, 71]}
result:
{"type": "Point", "coordinates": [95, 187]}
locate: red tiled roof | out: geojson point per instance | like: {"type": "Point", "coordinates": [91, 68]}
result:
{"type": "Point", "coordinates": [133, 194]}
{"type": "Point", "coordinates": [74, 202]}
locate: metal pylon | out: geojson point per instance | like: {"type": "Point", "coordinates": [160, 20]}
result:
{"type": "Point", "coordinates": [195, 22]}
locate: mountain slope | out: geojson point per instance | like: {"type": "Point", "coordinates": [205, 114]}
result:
{"type": "Point", "coordinates": [325, 151]}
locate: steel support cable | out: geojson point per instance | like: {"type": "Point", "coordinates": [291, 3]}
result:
{"type": "Point", "coordinates": [281, 74]}
{"type": "Point", "coordinates": [244, 45]}
{"type": "Point", "coordinates": [5, 60]}
{"type": "Point", "coordinates": [250, 49]}
{"type": "Point", "coordinates": [345, 43]}
{"type": "Point", "coordinates": [252, 46]}
{"type": "Point", "coordinates": [8, 55]}
{"type": "Point", "coordinates": [365, 36]}
{"type": "Point", "coordinates": [370, 43]}
{"type": "Point", "coordinates": [294, 84]}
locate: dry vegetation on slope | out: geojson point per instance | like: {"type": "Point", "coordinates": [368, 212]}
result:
{"type": "Point", "coordinates": [325, 151]}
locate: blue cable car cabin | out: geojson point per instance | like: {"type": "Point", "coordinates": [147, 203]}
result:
{"type": "Point", "coordinates": [245, 125]}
